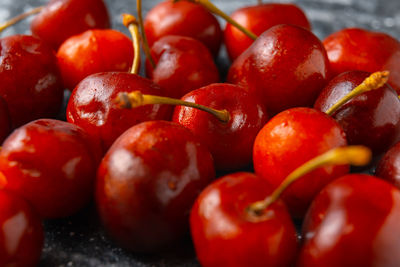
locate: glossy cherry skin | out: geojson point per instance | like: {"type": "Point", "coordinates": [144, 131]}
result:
{"type": "Point", "coordinates": [231, 144]}
{"type": "Point", "coordinates": [184, 19]}
{"type": "Point", "coordinates": [5, 120]}
{"type": "Point", "coordinates": [92, 52]}
{"type": "Point", "coordinates": [389, 166]}
{"type": "Point", "coordinates": [179, 68]}
{"type": "Point", "coordinates": [286, 67]}
{"type": "Point", "coordinates": [147, 183]}
{"type": "Point", "coordinates": [225, 234]}
{"type": "Point", "coordinates": [30, 80]}
{"type": "Point", "coordinates": [21, 234]}
{"type": "Point", "coordinates": [353, 222]}
{"type": "Point", "coordinates": [52, 164]}
{"type": "Point", "coordinates": [258, 19]}
{"type": "Point", "coordinates": [371, 119]}
{"type": "Point", "coordinates": [92, 105]}
{"type": "Point", "coordinates": [61, 19]}
{"type": "Point", "coordinates": [289, 140]}
{"type": "Point", "coordinates": [359, 49]}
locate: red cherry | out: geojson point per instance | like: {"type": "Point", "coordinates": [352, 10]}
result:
{"type": "Point", "coordinates": [231, 142]}
{"type": "Point", "coordinates": [287, 66]}
{"type": "Point", "coordinates": [358, 49]}
{"type": "Point", "coordinates": [179, 68]}
{"type": "Point", "coordinates": [29, 77]}
{"type": "Point", "coordinates": [5, 120]}
{"type": "Point", "coordinates": [371, 119]}
{"type": "Point", "coordinates": [92, 52]}
{"type": "Point", "coordinates": [147, 183]}
{"type": "Point", "coordinates": [353, 222]}
{"type": "Point", "coordinates": [225, 234]}
{"type": "Point", "coordinates": [258, 19]}
{"type": "Point", "coordinates": [389, 166]}
{"type": "Point", "coordinates": [50, 163]}
{"type": "Point", "coordinates": [21, 235]}
{"type": "Point", "coordinates": [50, 24]}
{"type": "Point", "coordinates": [287, 141]}
{"type": "Point", "coordinates": [184, 19]}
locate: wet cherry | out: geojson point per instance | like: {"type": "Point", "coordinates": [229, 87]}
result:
{"type": "Point", "coordinates": [389, 166]}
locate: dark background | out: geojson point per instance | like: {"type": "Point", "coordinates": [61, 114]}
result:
{"type": "Point", "coordinates": [79, 241]}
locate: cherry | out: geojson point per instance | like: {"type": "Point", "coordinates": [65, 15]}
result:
{"type": "Point", "coordinates": [184, 19]}
{"type": "Point", "coordinates": [232, 227]}
{"type": "Point", "coordinates": [21, 235]}
{"type": "Point", "coordinates": [5, 120]}
{"type": "Point", "coordinates": [50, 163]}
{"type": "Point", "coordinates": [30, 79]}
{"type": "Point", "coordinates": [371, 119]}
{"type": "Point", "coordinates": [288, 140]}
{"type": "Point", "coordinates": [389, 166]}
{"type": "Point", "coordinates": [228, 127]}
{"type": "Point", "coordinates": [91, 52]}
{"type": "Point", "coordinates": [147, 183]}
{"type": "Point", "coordinates": [78, 15]}
{"type": "Point", "coordinates": [91, 105]}
{"type": "Point", "coordinates": [353, 222]}
{"type": "Point", "coordinates": [359, 49]}
{"type": "Point", "coordinates": [257, 19]}
{"type": "Point", "coordinates": [287, 66]}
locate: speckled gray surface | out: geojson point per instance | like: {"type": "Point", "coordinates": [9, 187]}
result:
{"type": "Point", "coordinates": [80, 241]}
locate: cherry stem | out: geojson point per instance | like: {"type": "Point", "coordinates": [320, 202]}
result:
{"type": "Point", "coordinates": [354, 155]}
{"type": "Point", "coordinates": [374, 81]}
{"type": "Point", "coordinates": [137, 99]}
{"type": "Point", "coordinates": [213, 9]}
{"type": "Point", "coordinates": [18, 18]}
{"type": "Point", "coordinates": [146, 47]}
{"type": "Point", "coordinates": [131, 23]}
{"type": "Point", "coordinates": [259, 2]}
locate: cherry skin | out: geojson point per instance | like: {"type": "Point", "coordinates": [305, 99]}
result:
{"type": "Point", "coordinates": [230, 143]}
{"type": "Point", "coordinates": [287, 66]}
{"type": "Point", "coordinates": [21, 235]}
{"type": "Point", "coordinates": [225, 234]}
{"type": "Point", "coordinates": [353, 222]}
{"type": "Point", "coordinates": [147, 183]}
{"type": "Point", "coordinates": [92, 52]}
{"type": "Point", "coordinates": [371, 119]}
{"type": "Point", "coordinates": [92, 105]}
{"type": "Point", "coordinates": [52, 164]}
{"type": "Point", "coordinates": [179, 68]}
{"type": "Point", "coordinates": [290, 139]}
{"type": "Point", "coordinates": [5, 120]}
{"type": "Point", "coordinates": [50, 24]}
{"type": "Point", "coordinates": [359, 49]}
{"type": "Point", "coordinates": [258, 19]}
{"type": "Point", "coordinates": [389, 166]}
{"type": "Point", "coordinates": [30, 80]}
{"type": "Point", "coordinates": [184, 19]}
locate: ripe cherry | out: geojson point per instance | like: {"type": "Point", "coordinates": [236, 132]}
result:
{"type": "Point", "coordinates": [371, 119]}
{"type": "Point", "coordinates": [389, 166]}
{"type": "Point", "coordinates": [21, 235]}
{"type": "Point", "coordinates": [30, 80]}
{"type": "Point", "coordinates": [91, 105]}
{"type": "Point", "coordinates": [228, 127]}
{"type": "Point", "coordinates": [258, 19]}
{"type": "Point", "coordinates": [50, 163]}
{"type": "Point", "coordinates": [147, 183]}
{"type": "Point", "coordinates": [184, 19]}
{"type": "Point", "coordinates": [61, 19]}
{"type": "Point", "coordinates": [287, 141]}
{"type": "Point", "coordinates": [353, 222]}
{"type": "Point", "coordinates": [5, 120]}
{"type": "Point", "coordinates": [91, 52]}
{"type": "Point", "coordinates": [359, 49]}
{"type": "Point", "coordinates": [287, 66]}
{"type": "Point", "coordinates": [234, 225]}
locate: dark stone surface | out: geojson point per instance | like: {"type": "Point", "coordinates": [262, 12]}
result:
{"type": "Point", "coordinates": [80, 240]}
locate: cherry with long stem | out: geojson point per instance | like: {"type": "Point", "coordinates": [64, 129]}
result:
{"type": "Point", "coordinates": [20, 17]}
{"type": "Point", "coordinates": [213, 9]}
{"type": "Point", "coordinates": [354, 155]}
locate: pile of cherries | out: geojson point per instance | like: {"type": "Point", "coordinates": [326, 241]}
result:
{"type": "Point", "coordinates": [295, 110]}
